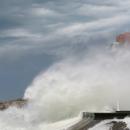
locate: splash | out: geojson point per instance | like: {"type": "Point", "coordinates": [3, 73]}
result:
{"type": "Point", "coordinates": [94, 83]}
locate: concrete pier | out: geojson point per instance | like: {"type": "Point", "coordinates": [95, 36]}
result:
{"type": "Point", "coordinates": [89, 120]}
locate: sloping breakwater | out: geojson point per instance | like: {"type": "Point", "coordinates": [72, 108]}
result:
{"type": "Point", "coordinates": [88, 124]}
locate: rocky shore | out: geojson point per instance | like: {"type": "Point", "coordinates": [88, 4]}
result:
{"type": "Point", "coordinates": [16, 103]}
{"type": "Point", "coordinates": [119, 125]}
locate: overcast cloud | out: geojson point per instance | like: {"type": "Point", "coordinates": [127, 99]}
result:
{"type": "Point", "coordinates": [41, 32]}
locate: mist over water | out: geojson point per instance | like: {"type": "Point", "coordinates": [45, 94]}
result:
{"type": "Point", "coordinates": [92, 83]}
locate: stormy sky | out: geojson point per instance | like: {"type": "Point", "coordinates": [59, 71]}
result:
{"type": "Point", "coordinates": [35, 34]}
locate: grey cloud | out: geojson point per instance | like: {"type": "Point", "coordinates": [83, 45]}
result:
{"type": "Point", "coordinates": [59, 28]}
{"type": "Point", "coordinates": [49, 21]}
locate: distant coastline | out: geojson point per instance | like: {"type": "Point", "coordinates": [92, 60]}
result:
{"type": "Point", "coordinates": [17, 103]}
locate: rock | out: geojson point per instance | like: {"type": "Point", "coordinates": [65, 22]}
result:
{"type": "Point", "coordinates": [119, 125]}
{"type": "Point", "coordinates": [16, 103]}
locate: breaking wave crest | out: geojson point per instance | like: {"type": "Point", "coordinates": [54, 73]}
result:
{"type": "Point", "coordinates": [94, 83]}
